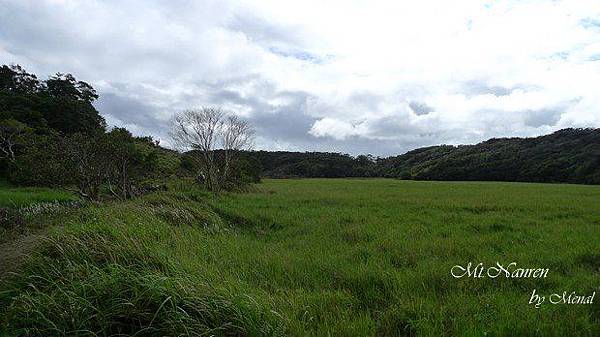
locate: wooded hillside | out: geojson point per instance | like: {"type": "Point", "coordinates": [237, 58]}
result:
{"type": "Point", "coordinates": [568, 155]}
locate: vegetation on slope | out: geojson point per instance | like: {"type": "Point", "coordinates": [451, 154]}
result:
{"type": "Point", "coordinates": [112, 270]}
{"type": "Point", "coordinates": [569, 155]}
{"type": "Point", "coordinates": [312, 257]}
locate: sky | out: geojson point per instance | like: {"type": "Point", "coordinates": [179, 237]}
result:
{"type": "Point", "coordinates": [357, 77]}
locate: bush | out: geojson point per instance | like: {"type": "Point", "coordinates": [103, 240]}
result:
{"type": "Point", "coordinates": [40, 163]}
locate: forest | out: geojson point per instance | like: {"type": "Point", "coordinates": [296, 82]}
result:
{"type": "Point", "coordinates": [565, 156]}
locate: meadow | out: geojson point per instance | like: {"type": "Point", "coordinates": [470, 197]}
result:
{"type": "Point", "coordinates": [16, 197]}
{"type": "Point", "coordinates": [312, 257]}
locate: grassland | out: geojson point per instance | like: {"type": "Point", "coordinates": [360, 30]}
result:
{"type": "Point", "coordinates": [16, 197]}
{"type": "Point", "coordinates": [313, 257]}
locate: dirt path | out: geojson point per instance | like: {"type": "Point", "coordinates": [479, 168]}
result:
{"type": "Point", "coordinates": [13, 252]}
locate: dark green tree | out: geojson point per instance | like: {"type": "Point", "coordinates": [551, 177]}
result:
{"type": "Point", "coordinates": [130, 161]}
{"type": "Point", "coordinates": [13, 134]}
{"type": "Point", "coordinates": [60, 103]}
{"type": "Point", "coordinates": [15, 79]}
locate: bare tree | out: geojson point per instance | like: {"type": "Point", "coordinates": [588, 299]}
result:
{"type": "Point", "coordinates": [197, 130]}
{"type": "Point", "coordinates": [208, 130]}
{"type": "Point", "coordinates": [237, 135]}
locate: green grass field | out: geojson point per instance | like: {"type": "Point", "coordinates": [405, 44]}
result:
{"type": "Point", "coordinates": [16, 197]}
{"type": "Point", "coordinates": [314, 257]}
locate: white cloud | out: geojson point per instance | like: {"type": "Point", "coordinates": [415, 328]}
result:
{"type": "Point", "coordinates": [348, 73]}
{"type": "Point", "coordinates": [338, 129]}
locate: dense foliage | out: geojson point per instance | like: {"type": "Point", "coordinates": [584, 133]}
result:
{"type": "Point", "coordinates": [569, 155]}
{"type": "Point", "coordinates": [52, 135]}
{"type": "Point", "coordinates": [60, 103]}
{"type": "Point", "coordinates": [281, 164]}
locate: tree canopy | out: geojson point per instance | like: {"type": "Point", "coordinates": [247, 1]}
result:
{"type": "Point", "coordinates": [61, 103]}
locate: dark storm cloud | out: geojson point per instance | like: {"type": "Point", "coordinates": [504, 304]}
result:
{"type": "Point", "coordinates": [393, 126]}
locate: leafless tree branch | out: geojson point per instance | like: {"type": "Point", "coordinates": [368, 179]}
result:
{"type": "Point", "coordinates": [207, 130]}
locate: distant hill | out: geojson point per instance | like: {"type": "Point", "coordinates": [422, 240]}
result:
{"type": "Point", "coordinates": [569, 156]}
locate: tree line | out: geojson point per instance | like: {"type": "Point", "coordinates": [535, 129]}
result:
{"type": "Point", "coordinates": [52, 135]}
{"type": "Point", "coordinates": [567, 156]}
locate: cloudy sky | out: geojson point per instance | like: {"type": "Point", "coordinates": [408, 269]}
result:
{"type": "Point", "coordinates": [379, 77]}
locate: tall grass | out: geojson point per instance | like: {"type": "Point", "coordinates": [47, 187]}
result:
{"type": "Point", "coordinates": [16, 197]}
{"type": "Point", "coordinates": [314, 257]}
